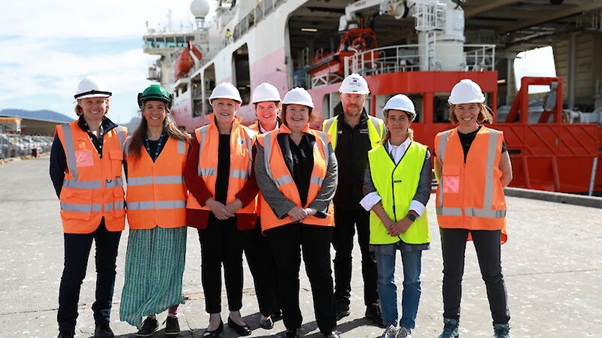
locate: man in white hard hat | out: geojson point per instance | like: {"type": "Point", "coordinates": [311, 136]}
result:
{"type": "Point", "coordinates": [353, 134]}
{"type": "Point", "coordinates": [85, 168]}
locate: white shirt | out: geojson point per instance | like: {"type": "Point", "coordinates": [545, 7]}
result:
{"type": "Point", "coordinates": [263, 131]}
{"type": "Point", "coordinates": [396, 152]}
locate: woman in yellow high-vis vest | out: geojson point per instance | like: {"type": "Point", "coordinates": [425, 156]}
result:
{"type": "Point", "coordinates": [297, 172]}
{"type": "Point", "coordinates": [473, 168]}
{"type": "Point", "coordinates": [156, 212]}
{"type": "Point", "coordinates": [397, 187]}
{"type": "Point", "coordinates": [220, 178]}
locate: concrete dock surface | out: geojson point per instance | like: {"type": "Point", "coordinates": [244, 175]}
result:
{"type": "Point", "coordinates": [552, 265]}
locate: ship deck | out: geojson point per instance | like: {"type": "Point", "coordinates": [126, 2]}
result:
{"type": "Point", "coordinates": [552, 266]}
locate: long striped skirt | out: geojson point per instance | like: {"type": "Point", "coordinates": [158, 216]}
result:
{"type": "Point", "coordinates": [154, 266]}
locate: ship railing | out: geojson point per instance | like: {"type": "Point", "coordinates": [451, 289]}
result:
{"type": "Point", "coordinates": [257, 14]}
{"type": "Point", "coordinates": [207, 56]}
{"type": "Point", "coordinates": [479, 57]}
{"type": "Point", "coordinates": [407, 58]}
{"type": "Point", "coordinates": [325, 79]}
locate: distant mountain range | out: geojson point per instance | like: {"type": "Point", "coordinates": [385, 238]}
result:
{"type": "Point", "coordinates": [46, 115]}
{"type": "Point", "coordinates": [132, 124]}
{"type": "Point", "coordinates": [49, 115]}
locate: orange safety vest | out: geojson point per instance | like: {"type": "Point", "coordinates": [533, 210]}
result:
{"type": "Point", "coordinates": [255, 128]}
{"type": "Point", "coordinates": [470, 195]}
{"type": "Point", "coordinates": [92, 187]}
{"type": "Point", "coordinates": [241, 161]}
{"type": "Point", "coordinates": [156, 193]}
{"type": "Point", "coordinates": [279, 173]}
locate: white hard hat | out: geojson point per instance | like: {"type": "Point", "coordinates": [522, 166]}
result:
{"type": "Point", "coordinates": [298, 96]}
{"type": "Point", "coordinates": [466, 91]}
{"type": "Point", "coordinates": [354, 84]}
{"type": "Point", "coordinates": [265, 92]}
{"type": "Point", "coordinates": [92, 86]}
{"type": "Point", "coordinates": [400, 102]}
{"type": "Point", "coordinates": [225, 90]}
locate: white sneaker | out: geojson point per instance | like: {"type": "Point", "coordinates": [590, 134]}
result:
{"type": "Point", "coordinates": [390, 332]}
{"type": "Point", "coordinates": [403, 332]}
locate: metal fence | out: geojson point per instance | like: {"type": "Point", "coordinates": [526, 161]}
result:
{"type": "Point", "coordinates": [14, 145]}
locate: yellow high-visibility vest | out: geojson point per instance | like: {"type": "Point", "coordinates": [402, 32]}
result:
{"type": "Point", "coordinates": [397, 185]}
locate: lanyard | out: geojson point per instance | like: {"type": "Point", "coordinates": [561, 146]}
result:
{"type": "Point", "coordinates": [157, 151]}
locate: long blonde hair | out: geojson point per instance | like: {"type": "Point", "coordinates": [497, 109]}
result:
{"type": "Point", "coordinates": [388, 133]}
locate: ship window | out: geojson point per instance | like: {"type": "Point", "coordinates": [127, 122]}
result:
{"type": "Point", "coordinates": [331, 105]}
{"type": "Point", "coordinates": [268, 7]}
{"type": "Point", "coordinates": [236, 33]}
{"type": "Point", "coordinates": [440, 108]}
{"type": "Point", "coordinates": [418, 101]}
{"type": "Point", "coordinates": [160, 44]}
{"type": "Point", "coordinates": [259, 11]}
{"type": "Point", "coordinates": [170, 42]}
{"type": "Point", "coordinates": [242, 76]}
{"type": "Point", "coordinates": [251, 19]}
{"type": "Point", "coordinates": [197, 93]}
{"type": "Point", "coordinates": [150, 44]}
{"type": "Point", "coordinates": [180, 41]}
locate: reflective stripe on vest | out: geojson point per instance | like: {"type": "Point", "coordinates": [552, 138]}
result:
{"type": "Point", "coordinates": [278, 172]}
{"type": "Point", "coordinates": [205, 172]}
{"type": "Point", "coordinates": [241, 161]}
{"type": "Point", "coordinates": [487, 211]}
{"type": "Point", "coordinates": [147, 205]}
{"type": "Point", "coordinates": [71, 163]}
{"type": "Point", "coordinates": [470, 194]}
{"type": "Point", "coordinates": [156, 194]}
{"type": "Point", "coordinates": [92, 186]}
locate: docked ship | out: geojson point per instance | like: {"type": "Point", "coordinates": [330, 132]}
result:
{"type": "Point", "coordinates": [417, 47]}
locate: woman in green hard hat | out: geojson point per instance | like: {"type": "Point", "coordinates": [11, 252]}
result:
{"type": "Point", "coordinates": [156, 211]}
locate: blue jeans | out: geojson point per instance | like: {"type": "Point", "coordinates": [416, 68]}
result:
{"type": "Point", "coordinates": [387, 290]}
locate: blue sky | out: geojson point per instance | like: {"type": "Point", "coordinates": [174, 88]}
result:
{"type": "Point", "coordinates": [49, 46]}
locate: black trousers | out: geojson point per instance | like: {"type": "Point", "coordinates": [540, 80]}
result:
{"type": "Point", "coordinates": [221, 242]}
{"type": "Point", "coordinates": [263, 268]}
{"type": "Point", "coordinates": [346, 222]}
{"type": "Point", "coordinates": [77, 251]}
{"type": "Point", "coordinates": [488, 247]}
{"type": "Point", "coordinates": [287, 242]}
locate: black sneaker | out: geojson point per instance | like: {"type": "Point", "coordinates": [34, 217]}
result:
{"type": "Point", "coordinates": [103, 331]}
{"type": "Point", "coordinates": [66, 334]}
{"type": "Point", "coordinates": [172, 326]}
{"type": "Point", "coordinates": [374, 314]}
{"type": "Point", "coordinates": [149, 326]}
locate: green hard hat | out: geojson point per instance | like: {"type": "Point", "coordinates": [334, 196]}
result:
{"type": "Point", "coordinates": [155, 92]}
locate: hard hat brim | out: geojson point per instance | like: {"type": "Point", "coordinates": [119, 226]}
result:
{"type": "Point", "coordinates": [92, 93]}
{"type": "Point", "coordinates": [353, 92]}
{"type": "Point", "coordinates": [300, 104]}
{"type": "Point", "coordinates": [266, 100]}
{"type": "Point", "coordinates": [467, 101]}
{"type": "Point", "coordinates": [227, 98]}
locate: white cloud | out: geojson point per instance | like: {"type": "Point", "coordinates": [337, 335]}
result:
{"type": "Point", "coordinates": [85, 18]}
{"type": "Point", "coordinates": [49, 46]}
